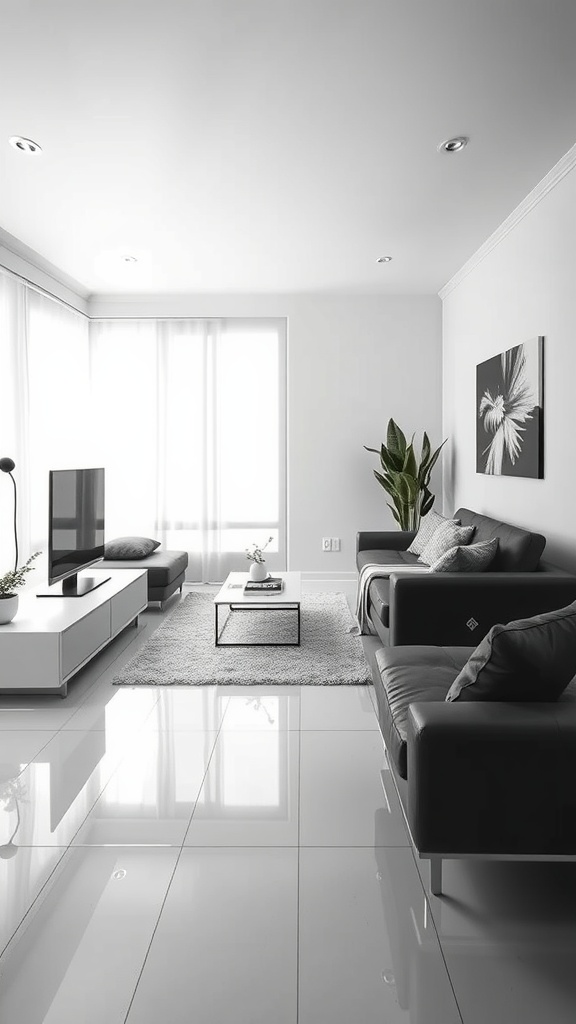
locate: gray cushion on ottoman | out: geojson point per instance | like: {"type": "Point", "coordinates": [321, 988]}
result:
{"type": "Point", "coordinates": [164, 566]}
{"type": "Point", "coordinates": [165, 571]}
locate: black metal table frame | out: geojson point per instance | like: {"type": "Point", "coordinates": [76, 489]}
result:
{"type": "Point", "coordinates": [256, 606]}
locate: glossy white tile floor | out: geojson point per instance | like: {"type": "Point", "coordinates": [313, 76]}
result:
{"type": "Point", "coordinates": [229, 855]}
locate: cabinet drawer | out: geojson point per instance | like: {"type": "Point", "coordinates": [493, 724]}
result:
{"type": "Point", "coordinates": [83, 638]}
{"type": "Point", "coordinates": [126, 605]}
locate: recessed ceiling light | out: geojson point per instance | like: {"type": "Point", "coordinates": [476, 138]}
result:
{"type": "Point", "coordinates": [455, 145]}
{"type": "Point", "coordinates": [24, 145]}
{"type": "Point", "coordinates": [384, 259]}
{"type": "Point", "coordinates": [129, 259]}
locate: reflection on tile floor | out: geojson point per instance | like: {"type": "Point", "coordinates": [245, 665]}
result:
{"type": "Point", "coordinates": [231, 853]}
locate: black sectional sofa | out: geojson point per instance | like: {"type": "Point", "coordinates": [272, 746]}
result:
{"type": "Point", "coordinates": [475, 778]}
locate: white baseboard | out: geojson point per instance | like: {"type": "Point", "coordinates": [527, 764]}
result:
{"type": "Point", "coordinates": [321, 576]}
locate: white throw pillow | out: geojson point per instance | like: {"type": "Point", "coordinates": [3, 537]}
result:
{"type": "Point", "coordinates": [428, 526]}
{"type": "Point", "coordinates": [447, 536]}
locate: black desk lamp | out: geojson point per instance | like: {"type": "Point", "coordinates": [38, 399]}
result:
{"type": "Point", "coordinates": [7, 465]}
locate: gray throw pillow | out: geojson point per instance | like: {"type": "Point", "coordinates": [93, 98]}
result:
{"type": "Point", "coordinates": [428, 526]}
{"type": "Point", "coordinates": [447, 536]}
{"type": "Point", "coordinates": [467, 558]}
{"type": "Point", "coordinates": [129, 547]}
{"type": "Point", "coordinates": [526, 660]}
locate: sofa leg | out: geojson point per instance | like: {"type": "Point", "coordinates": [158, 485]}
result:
{"type": "Point", "coordinates": [436, 876]}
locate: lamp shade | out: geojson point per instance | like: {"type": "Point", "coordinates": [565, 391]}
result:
{"type": "Point", "coordinates": [7, 465]}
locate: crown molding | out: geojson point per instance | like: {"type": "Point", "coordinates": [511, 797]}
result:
{"type": "Point", "coordinates": [559, 171]}
{"type": "Point", "coordinates": [25, 262]}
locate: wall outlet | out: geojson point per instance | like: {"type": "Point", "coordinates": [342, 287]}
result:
{"type": "Point", "coordinates": [330, 543]}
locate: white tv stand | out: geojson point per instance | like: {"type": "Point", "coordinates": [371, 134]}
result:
{"type": "Point", "coordinates": [50, 640]}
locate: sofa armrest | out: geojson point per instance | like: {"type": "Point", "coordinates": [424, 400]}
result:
{"type": "Point", "coordinates": [458, 609]}
{"type": "Point", "coordinates": [379, 540]}
{"type": "Point", "coordinates": [490, 777]}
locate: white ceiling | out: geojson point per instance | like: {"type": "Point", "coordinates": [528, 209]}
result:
{"type": "Point", "coordinates": [276, 145]}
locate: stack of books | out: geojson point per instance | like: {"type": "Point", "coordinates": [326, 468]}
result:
{"type": "Point", "coordinates": [271, 585]}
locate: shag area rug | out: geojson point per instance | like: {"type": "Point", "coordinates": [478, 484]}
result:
{"type": "Point", "coordinates": [182, 650]}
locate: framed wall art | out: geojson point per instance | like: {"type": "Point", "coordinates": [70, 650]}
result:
{"type": "Point", "coordinates": [510, 412]}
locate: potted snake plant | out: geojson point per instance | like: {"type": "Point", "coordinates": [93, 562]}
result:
{"type": "Point", "coordinates": [404, 478]}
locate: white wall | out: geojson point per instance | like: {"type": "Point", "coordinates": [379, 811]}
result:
{"type": "Point", "coordinates": [525, 286]}
{"type": "Point", "coordinates": [353, 361]}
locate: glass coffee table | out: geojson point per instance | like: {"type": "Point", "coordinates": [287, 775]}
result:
{"type": "Point", "coordinates": [232, 594]}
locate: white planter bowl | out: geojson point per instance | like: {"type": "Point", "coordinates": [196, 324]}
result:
{"type": "Point", "coordinates": [258, 571]}
{"type": "Point", "coordinates": [8, 608]}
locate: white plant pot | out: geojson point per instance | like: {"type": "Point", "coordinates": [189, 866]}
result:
{"type": "Point", "coordinates": [258, 571]}
{"type": "Point", "coordinates": [8, 608]}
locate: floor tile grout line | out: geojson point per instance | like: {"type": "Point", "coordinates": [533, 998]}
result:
{"type": "Point", "coordinates": [208, 763]}
{"type": "Point", "coordinates": [68, 846]}
{"type": "Point", "coordinates": [36, 898]}
{"type": "Point", "coordinates": [178, 858]}
{"type": "Point", "coordinates": [154, 930]}
{"type": "Point", "coordinates": [410, 846]}
{"type": "Point", "coordinates": [298, 857]}
{"type": "Point", "coordinates": [440, 947]}
{"type": "Point", "coordinates": [123, 758]}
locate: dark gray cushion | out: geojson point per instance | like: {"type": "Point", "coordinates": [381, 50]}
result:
{"type": "Point", "coordinates": [376, 556]}
{"type": "Point", "coordinates": [409, 674]}
{"type": "Point", "coordinates": [163, 566]}
{"type": "Point", "coordinates": [130, 547]}
{"type": "Point", "coordinates": [518, 550]}
{"type": "Point", "coordinates": [467, 558]}
{"type": "Point", "coordinates": [379, 594]}
{"type": "Point", "coordinates": [526, 660]}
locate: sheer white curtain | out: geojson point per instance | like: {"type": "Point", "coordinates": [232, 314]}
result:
{"type": "Point", "coordinates": [44, 417]}
{"type": "Point", "coordinates": [188, 417]}
{"type": "Point", "coordinates": [13, 413]}
{"type": "Point", "coordinates": [190, 425]}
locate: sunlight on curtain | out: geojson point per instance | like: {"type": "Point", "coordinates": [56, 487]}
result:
{"type": "Point", "coordinates": [44, 418]}
{"type": "Point", "coordinates": [191, 429]}
{"type": "Point", "coordinates": [59, 421]}
{"type": "Point", "coordinates": [12, 410]}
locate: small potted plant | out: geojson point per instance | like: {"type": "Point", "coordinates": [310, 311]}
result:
{"type": "Point", "coordinates": [8, 584]}
{"type": "Point", "coordinates": [255, 555]}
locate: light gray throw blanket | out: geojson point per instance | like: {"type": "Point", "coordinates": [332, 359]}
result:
{"type": "Point", "coordinates": [370, 572]}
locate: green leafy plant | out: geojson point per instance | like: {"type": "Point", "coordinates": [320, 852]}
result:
{"type": "Point", "coordinates": [16, 577]}
{"type": "Point", "coordinates": [403, 478]}
{"type": "Point", "coordinates": [255, 553]}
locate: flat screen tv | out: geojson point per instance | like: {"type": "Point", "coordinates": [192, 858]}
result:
{"type": "Point", "coordinates": [75, 530]}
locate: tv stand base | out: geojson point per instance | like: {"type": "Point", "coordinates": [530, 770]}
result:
{"type": "Point", "coordinates": [79, 586]}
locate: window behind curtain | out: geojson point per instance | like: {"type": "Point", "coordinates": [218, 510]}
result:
{"type": "Point", "coordinates": [44, 415]}
{"type": "Point", "coordinates": [191, 429]}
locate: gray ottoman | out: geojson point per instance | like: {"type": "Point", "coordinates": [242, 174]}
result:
{"type": "Point", "coordinates": [166, 571]}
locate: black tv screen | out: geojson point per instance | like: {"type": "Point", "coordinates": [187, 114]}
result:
{"type": "Point", "coordinates": [76, 521]}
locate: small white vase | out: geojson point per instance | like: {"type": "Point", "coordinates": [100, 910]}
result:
{"type": "Point", "coordinates": [8, 608]}
{"type": "Point", "coordinates": [258, 572]}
